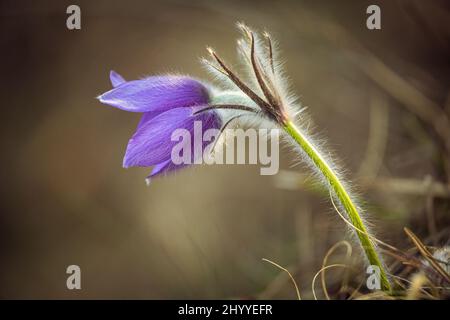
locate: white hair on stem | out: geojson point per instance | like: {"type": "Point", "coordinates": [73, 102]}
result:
{"type": "Point", "coordinates": [266, 89]}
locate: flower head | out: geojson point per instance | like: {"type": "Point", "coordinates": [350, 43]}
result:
{"type": "Point", "coordinates": [167, 103]}
{"type": "Point", "coordinates": [173, 102]}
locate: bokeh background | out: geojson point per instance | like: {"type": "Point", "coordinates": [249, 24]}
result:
{"type": "Point", "coordinates": [380, 98]}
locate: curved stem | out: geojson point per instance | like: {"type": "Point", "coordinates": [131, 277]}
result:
{"type": "Point", "coordinates": [344, 198]}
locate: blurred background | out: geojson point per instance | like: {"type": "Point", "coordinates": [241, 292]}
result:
{"type": "Point", "coordinates": [380, 98]}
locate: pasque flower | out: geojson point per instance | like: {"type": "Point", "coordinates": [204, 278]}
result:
{"type": "Point", "coordinates": [171, 102]}
{"type": "Point", "coordinates": [167, 103]}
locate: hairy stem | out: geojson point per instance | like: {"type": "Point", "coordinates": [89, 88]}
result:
{"type": "Point", "coordinates": [344, 198]}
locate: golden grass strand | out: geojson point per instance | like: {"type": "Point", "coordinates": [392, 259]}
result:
{"type": "Point", "coordinates": [290, 276]}
{"type": "Point", "coordinates": [313, 283]}
{"type": "Point", "coordinates": [325, 260]}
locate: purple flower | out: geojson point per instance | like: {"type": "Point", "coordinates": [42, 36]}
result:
{"type": "Point", "coordinates": [167, 103]}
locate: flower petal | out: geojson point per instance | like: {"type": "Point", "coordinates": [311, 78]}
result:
{"type": "Point", "coordinates": [165, 167]}
{"type": "Point", "coordinates": [151, 144]}
{"type": "Point", "coordinates": [162, 169]}
{"type": "Point", "coordinates": [156, 93]}
{"type": "Point", "coordinates": [116, 79]}
{"type": "Point", "coordinates": [146, 117]}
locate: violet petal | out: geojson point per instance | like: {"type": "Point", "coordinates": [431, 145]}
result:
{"type": "Point", "coordinates": [151, 144]}
{"type": "Point", "coordinates": [157, 93]}
{"type": "Point", "coordinates": [116, 79]}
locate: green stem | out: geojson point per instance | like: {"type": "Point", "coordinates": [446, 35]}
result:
{"type": "Point", "coordinates": [344, 198]}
